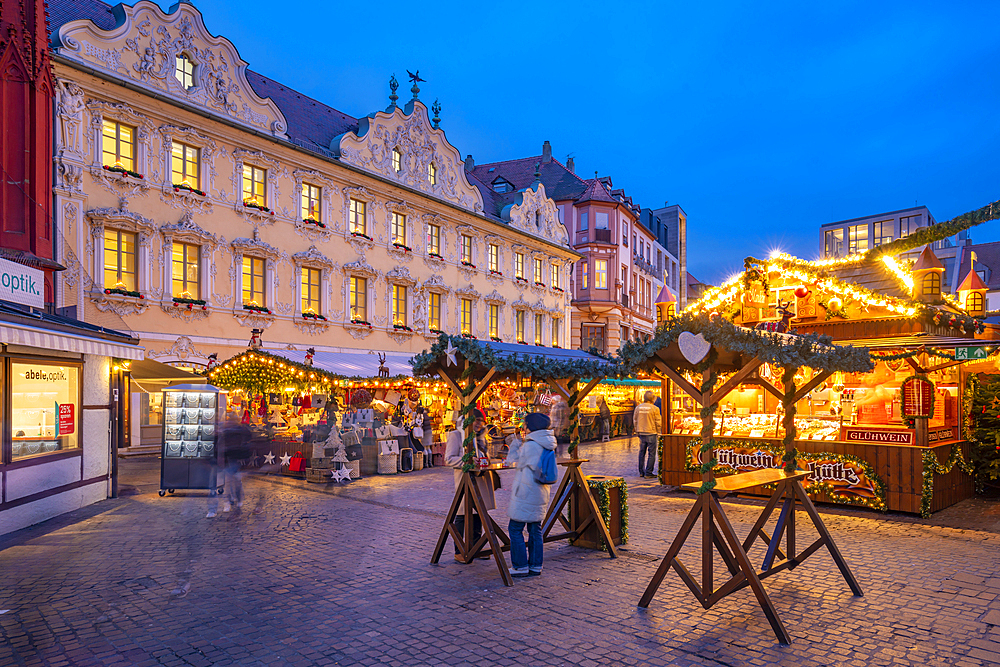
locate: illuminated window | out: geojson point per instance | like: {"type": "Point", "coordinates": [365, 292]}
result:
{"type": "Point", "coordinates": [494, 320]}
{"type": "Point", "coordinates": [467, 316]}
{"type": "Point", "coordinates": [519, 325]}
{"type": "Point", "coordinates": [399, 304]}
{"type": "Point", "coordinates": [118, 145]}
{"type": "Point", "coordinates": [119, 260]}
{"type": "Point", "coordinates": [432, 174]}
{"type": "Point", "coordinates": [397, 160]}
{"type": "Point", "coordinates": [359, 298]}
{"type": "Point", "coordinates": [310, 202]}
{"type": "Point", "coordinates": [518, 265]}
{"type": "Point", "coordinates": [399, 228]}
{"type": "Point", "coordinates": [586, 273]}
{"type": "Point", "coordinates": [187, 270]}
{"type": "Point", "coordinates": [538, 329]}
{"type": "Point", "coordinates": [185, 165]}
{"type": "Point", "coordinates": [434, 239]}
{"type": "Point", "coordinates": [357, 217]}
{"type": "Point", "coordinates": [932, 283]}
{"type": "Point", "coordinates": [833, 240]}
{"type": "Point", "coordinates": [601, 274]}
{"type": "Point", "coordinates": [253, 282]}
{"type": "Point", "coordinates": [974, 302]}
{"type": "Point", "coordinates": [434, 311]}
{"type": "Point", "coordinates": [538, 270]}
{"type": "Point", "coordinates": [310, 290]}
{"type": "Point", "coordinates": [493, 254]}
{"type": "Point", "coordinates": [857, 239]}
{"type": "Point", "coordinates": [554, 271]}
{"type": "Point", "coordinates": [466, 248]}
{"type": "Point", "coordinates": [556, 331]}
{"type": "Point", "coordinates": [184, 71]}
{"type": "Point", "coordinates": [44, 408]}
{"type": "Point", "coordinates": [882, 233]}
{"type": "Point", "coordinates": [254, 185]}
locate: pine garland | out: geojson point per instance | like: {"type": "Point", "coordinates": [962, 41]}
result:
{"type": "Point", "coordinates": [574, 416]}
{"type": "Point", "coordinates": [787, 402]}
{"type": "Point", "coordinates": [937, 232]}
{"type": "Point", "coordinates": [466, 414]}
{"type": "Point", "coordinates": [708, 423]}
{"type": "Point", "coordinates": [932, 467]}
{"type": "Point", "coordinates": [600, 490]}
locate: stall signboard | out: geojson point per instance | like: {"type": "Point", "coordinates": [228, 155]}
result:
{"type": "Point", "coordinates": [918, 397]}
{"type": "Point", "coordinates": [877, 436]}
{"type": "Point", "coordinates": [22, 284]}
{"type": "Point", "coordinates": [846, 478]}
{"type": "Point", "coordinates": [941, 435]}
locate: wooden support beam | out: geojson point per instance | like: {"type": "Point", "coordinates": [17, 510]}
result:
{"type": "Point", "coordinates": [737, 379]}
{"type": "Point", "coordinates": [679, 380]}
{"type": "Point", "coordinates": [816, 381]}
{"type": "Point", "coordinates": [766, 386]}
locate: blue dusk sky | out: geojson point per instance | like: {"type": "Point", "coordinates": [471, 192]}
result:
{"type": "Point", "coordinates": [762, 120]}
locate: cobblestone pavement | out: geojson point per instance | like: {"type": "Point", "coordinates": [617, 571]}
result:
{"type": "Point", "coordinates": [310, 574]}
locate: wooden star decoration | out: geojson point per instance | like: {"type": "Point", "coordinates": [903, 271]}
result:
{"type": "Point", "coordinates": [285, 459]}
{"type": "Point", "coordinates": [269, 458]}
{"type": "Point", "coordinates": [342, 475]}
{"type": "Point", "coordinates": [450, 353]}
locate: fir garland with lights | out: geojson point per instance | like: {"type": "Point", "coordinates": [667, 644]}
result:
{"type": "Point", "coordinates": [600, 489]}
{"type": "Point", "coordinates": [938, 232]}
{"type": "Point", "coordinates": [933, 467]}
{"type": "Point", "coordinates": [259, 372]}
{"type": "Point", "coordinates": [788, 422]}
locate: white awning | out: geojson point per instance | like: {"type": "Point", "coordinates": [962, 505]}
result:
{"type": "Point", "coordinates": [46, 339]}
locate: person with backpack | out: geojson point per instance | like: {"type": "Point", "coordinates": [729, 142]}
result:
{"type": "Point", "coordinates": [529, 495]}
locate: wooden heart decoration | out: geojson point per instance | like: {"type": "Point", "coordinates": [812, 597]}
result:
{"type": "Point", "coordinates": [694, 348]}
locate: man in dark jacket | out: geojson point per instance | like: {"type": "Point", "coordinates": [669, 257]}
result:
{"type": "Point", "coordinates": [234, 439]}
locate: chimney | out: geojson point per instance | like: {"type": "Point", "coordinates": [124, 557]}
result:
{"type": "Point", "coordinates": [570, 164]}
{"type": "Point", "coordinates": [546, 152]}
{"type": "Point", "coordinates": [470, 164]}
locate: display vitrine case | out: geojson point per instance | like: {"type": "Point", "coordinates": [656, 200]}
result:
{"type": "Point", "coordinates": [192, 414]}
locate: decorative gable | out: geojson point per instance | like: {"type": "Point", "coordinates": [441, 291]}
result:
{"type": "Point", "coordinates": [144, 47]}
{"type": "Point", "coordinates": [424, 154]}
{"type": "Point", "coordinates": [534, 213]}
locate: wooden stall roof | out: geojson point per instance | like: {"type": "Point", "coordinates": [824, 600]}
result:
{"type": "Point", "coordinates": [736, 346]}
{"type": "Point", "coordinates": [916, 340]}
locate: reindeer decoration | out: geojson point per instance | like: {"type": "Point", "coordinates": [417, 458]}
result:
{"type": "Point", "coordinates": [310, 353]}
{"type": "Point", "coordinates": [383, 370]}
{"type": "Point", "coordinates": [786, 317]}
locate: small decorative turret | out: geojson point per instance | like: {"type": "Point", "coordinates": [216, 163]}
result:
{"type": "Point", "coordinates": [972, 293]}
{"type": "Point", "coordinates": [927, 274]}
{"type": "Point", "coordinates": [666, 305]}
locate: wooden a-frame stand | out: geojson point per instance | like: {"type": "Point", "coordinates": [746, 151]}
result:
{"type": "Point", "coordinates": [717, 532]}
{"type": "Point", "coordinates": [573, 488]}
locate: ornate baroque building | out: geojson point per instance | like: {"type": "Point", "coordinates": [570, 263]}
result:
{"type": "Point", "coordinates": [198, 200]}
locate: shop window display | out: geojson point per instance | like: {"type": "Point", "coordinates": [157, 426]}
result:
{"type": "Point", "coordinates": [45, 408]}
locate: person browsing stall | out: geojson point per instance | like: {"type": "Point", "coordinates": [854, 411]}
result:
{"type": "Point", "coordinates": [529, 498]}
{"type": "Point", "coordinates": [454, 451]}
{"type": "Point", "coordinates": [648, 427]}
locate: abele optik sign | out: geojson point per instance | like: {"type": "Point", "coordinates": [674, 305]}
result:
{"type": "Point", "coordinates": [22, 284]}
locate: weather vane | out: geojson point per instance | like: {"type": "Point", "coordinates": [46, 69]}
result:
{"type": "Point", "coordinates": [415, 79]}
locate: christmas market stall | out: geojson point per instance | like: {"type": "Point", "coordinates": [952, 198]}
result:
{"type": "Point", "coordinates": [721, 356]}
{"type": "Point", "coordinates": [470, 367]}
{"type": "Point", "coordinates": [893, 438]}
{"type": "Point", "coordinates": [297, 401]}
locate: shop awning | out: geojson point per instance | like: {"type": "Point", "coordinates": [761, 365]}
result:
{"type": "Point", "coordinates": [350, 364]}
{"type": "Point", "coordinates": [14, 334]}
{"type": "Point", "coordinates": [152, 376]}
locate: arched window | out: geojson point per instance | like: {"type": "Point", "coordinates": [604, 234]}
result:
{"type": "Point", "coordinates": [974, 302]}
{"type": "Point", "coordinates": [932, 283]}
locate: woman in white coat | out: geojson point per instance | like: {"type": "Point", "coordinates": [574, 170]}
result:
{"type": "Point", "coordinates": [528, 498]}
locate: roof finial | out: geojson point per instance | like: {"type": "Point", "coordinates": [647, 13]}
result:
{"type": "Point", "coordinates": [436, 108]}
{"type": "Point", "coordinates": [393, 86]}
{"type": "Point", "coordinates": [415, 78]}
{"type": "Point", "coordinates": [595, 174]}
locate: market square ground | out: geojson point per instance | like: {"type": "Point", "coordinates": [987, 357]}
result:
{"type": "Point", "coordinates": [338, 576]}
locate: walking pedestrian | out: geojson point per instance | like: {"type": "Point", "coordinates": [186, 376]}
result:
{"type": "Point", "coordinates": [646, 419]}
{"type": "Point", "coordinates": [529, 498]}
{"type": "Point", "coordinates": [235, 439]}
{"type": "Point", "coordinates": [559, 420]}
{"type": "Point", "coordinates": [454, 451]}
{"type": "Point", "coordinates": [604, 413]}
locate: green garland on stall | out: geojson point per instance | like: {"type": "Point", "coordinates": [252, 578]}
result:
{"type": "Point", "coordinates": [256, 371]}
{"type": "Point", "coordinates": [600, 490]}
{"type": "Point", "coordinates": [932, 467]}
{"type": "Point", "coordinates": [942, 230]}
{"type": "Point", "coordinates": [708, 420]}
{"type": "Point", "coordinates": [815, 351]}
{"type": "Point", "coordinates": [877, 503]}
{"type": "Point", "coordinates": [788, 386]}
{"type": "Point", "coordinates": [659, 456]}
{"type": "Point", "coordinates": [467, 419]}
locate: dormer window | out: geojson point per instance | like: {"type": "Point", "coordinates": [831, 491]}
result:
{"type": "Point", "coordinates": [432, 174]}
{"type": "Point", "coordinates": [932, 284]}
{"type": "Point", "coordinates": [184, 71]}
{"type": "Point", "coordinates": [397, 160]}
{"type": "Point", "coordinates": [502, 185]}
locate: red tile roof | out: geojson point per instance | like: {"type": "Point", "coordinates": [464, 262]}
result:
{"type": "Point", "coordinates": [596, 191]}
{"type": "Point", "coordinates": [972, 281]}
{"type": "Point", "coordinates": [927, 260]}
